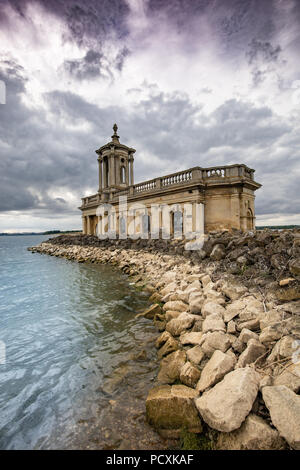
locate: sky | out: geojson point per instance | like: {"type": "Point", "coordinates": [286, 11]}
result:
{"type": "Point", "coordinates": [189, 83]}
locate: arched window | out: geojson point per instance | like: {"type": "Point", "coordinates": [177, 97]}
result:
{"type": "Point", "coordinates": [123, 175]}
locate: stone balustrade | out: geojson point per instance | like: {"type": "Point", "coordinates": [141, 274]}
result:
{"type": "Point", "coordinates": [181, 178]}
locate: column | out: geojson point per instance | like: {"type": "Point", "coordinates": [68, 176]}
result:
{"type": "Point", "coordinates": [100, 174]}
{"type": "Point", "coordinates": [84, 230]}
{"type": "Point", "coordinates": [131, 160]}
{"type": "Point", "coordinates": [88, 225]}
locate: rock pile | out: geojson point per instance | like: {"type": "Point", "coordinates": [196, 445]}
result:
{"type": "Point", "coordinates": [229, 345]}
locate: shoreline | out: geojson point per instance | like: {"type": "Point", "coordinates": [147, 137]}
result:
{"type": "Point", "coordinates": [217, 330]}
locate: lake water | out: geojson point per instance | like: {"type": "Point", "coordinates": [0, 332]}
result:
{"type": "Point", "coordinates": [72, 376]}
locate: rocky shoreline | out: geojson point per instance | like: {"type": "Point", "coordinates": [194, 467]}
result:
{"type": "Point", "coordinates": [228, 315]}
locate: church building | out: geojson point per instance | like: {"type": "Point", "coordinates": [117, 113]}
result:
{"type": "Point", "coordinates": [217, 198]}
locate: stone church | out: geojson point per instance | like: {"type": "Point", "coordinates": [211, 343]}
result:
{"type": "Point", "coordinates": [221, 197]}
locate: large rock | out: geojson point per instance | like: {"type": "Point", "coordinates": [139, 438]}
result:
{"type": "Point", "coordinates": [218, 366]}
{"type": "Point", "coordinates": [150, 312]}
{"type": "Point", "coordinates": [177, 305]}
{"type": "Point", "coordinates": [183, 322]}
{"type": "Point", "coordinates": [172, 407]}
{"type": "Point", "coordinates": [284, 408]}
{"type": "Point", "coordinates": [194, 337]}
{"type": "Point", "coordinates": [246, 335]}
{"type": "Point", "coordinates": [290, 377]}
{"type": "Point", "coordinates": [213, 322]}
{"type": "Point", "coordinates": [254, 434]}
{"type": "Point", "coordinates": [170, 367]}
{"type": "Point", "coordinates": [195, 354]}
{"type": "Point", "coordinates": [169, 346]}
{"type": "Point", "coordinates": [213, 341]}
{"type": "Point", "coordinates": [294, 267]}
{"type": "Point", "coordinates": [285, 347]}
{"type": "Point", "coordinates": [274, 332]}
{"type": "Point", "coordinates": [196, 301]}
{"type": "Point", "coordinates": [218, 252]}
{"type": "Point", "coordinates": [212, 307]}
{"type": "Point", "coordinates": [189, 374]}
{"type": "Point", "coordinates": [232, 290]}
{"type": "Point", "coordinates": [226, 405]}
{"type": "Point", "coordinates": [252, 352]}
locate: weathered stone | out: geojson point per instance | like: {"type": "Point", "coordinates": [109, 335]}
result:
{"type": "Point", "coordinates": [195, 354]}
{"type": "Point", "coordinates": [290, 377]}
{"type": "Point", "coordinates": [233, 310]}
{"type": "Point", "coordinates": [218, 252]}
{"type": "Point", "coordinates": [170, 367]}
{"type": "Point", "coordinates": [170, 345]}
{"type": "Point", "coordinates": [169, 288]}
{"type": "Point", "coordinates": [269, 318]}
{"type": "Point", "coordinates": [231, 327]}
{"type": "Point", "coordinates": [284, 408]}
{"type": "Point", "coordinates": [246, 334]}
{"type": "Point", "coordinates": [252, 352]}
{"type": "Point", "coordinates": [189, 374]}
{"type": "Point", "coordinates": [274, 332]}
{"type": "Point", "coordinates": [170, 314]}
{"type": "Point", "coordinates": [233, 291]}
{"type": "Point", "coordinates": [215, 340]}
{"type": "Point", "coordinates": [226, 405]}
{"type": "Point", "coordinates": [288, 293]}
{"type": "Point", "coordinates": [294, 267]}
{"type": "Point", "coordinates": [206, 279]}
{"type": "Point", "coordinates": [285, 347]}
{"type": "Point", "coordinates": [177, 305]}
{"type": "Point", "coordinates": [150, 312]}
{"type": "Point", "coordinates": [183, 322]}
{"type": "Point", "coordinates": [162, 339]}
{"type": "Point", "coordinates": [218, 366]}
{"type": "Point", "coordinates": [250, 325]}
{"type": "Point", "coordinates": [210, 308]}
{"type": "Point", "coordinates": [213, 322]}
{"type": "Point", "coordinates": [254, 434]}
{"type": "Point", "coordinates": [191, 338]}
{"type": "Point", "coordinates": [196, 301]}
{"type": "Point", "coordinates": [286, 282]}
{"type": "Point", "coordinates": [172, 407]}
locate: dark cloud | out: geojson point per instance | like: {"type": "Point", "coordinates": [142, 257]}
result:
{"type": "Point", "coordinates": [90, 66]}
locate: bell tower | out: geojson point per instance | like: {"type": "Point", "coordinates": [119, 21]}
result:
{"type": "Point", "coordinates": [115, 166]}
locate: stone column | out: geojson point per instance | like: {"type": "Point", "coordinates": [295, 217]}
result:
{"type": "Point", "coordinates": [84, 228]}
{"type": "Point", "coordinates": [112, 170]}
{"type": "Point", "coordinates": [100, 174]}
{"type": "Point", "coordinates": [88, 225]}
{"type": "Point", "coordinates": [131, 160]}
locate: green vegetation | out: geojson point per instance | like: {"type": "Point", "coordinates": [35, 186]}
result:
{"type": "Point", "coordinates": [192, 441]}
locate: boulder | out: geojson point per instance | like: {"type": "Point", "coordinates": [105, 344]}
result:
{"type": "Point", "coordinates": [183, 322]}
{"type": "Point", "coordinates": [177, 305]}
{"type": "Point", "coordinates": [170, 314]}
{"type": "Point", "coordinates": [213, 341]}
{"type": "Point", "coordinates": [269, 318]}
{"type": "Point", "coordinates": [227, 404]}
{"type": "Point", "coordinates": [231, 327]}
{"type": "Point", "coordinates": [218, 252]}
{"type": "Point", "coordinates": [170, 367]}
{"type": "Point", "coordinates": [195, 354]}
{"type": "Point", "coordinates": [290, 377]}
{"type": "Point", "coordinates": [189, 374]}
{"type": "Point", "coordinates": [210, 308]}
{"type": "Point", "coordinates": [213, 322]}
{"type": "Point", "coordinates": [254, 434]}
{"type": "Point", "coordinates": [294, 267]}
{"type": "Point", "coordinates": [218, 366]}
{"type": "Point", "coordinates": [193, 337]}
{"type": "Point", "coordinates": [284, 408]}
{"type": "Point", "coordinates": [172, 407]}
{"type": "Point", "coordinates": [252, 352]}
{"type": "Point", "coordinates": [150, 312]}
{"type": "Point", "coordinates": [162, 339]}
{"type": "Point", "coordinates": [196, 301]}
{"type": "Point", "coordinates": [246, 334]}
{"type": "Point", "coordinates": [169, 346]}
{"type": "Point", "coordinates": [285, 347]}
{"type": "Point", "coordinates": [232, 290]}
{"type": "Point", "coordinates": [274, 332]}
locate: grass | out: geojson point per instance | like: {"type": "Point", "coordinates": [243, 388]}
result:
{"type": "Point", "coordinates": [192, 441]}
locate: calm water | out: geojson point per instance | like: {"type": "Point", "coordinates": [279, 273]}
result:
{"type": "Point", "coordinates": [72, 377]}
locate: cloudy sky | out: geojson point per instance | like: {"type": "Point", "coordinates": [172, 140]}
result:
{"type": "Point", "coordinates": [189, 82]}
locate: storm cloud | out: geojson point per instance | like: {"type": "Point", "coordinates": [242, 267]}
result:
{"type": "Point", "coordinates": [188, 83]}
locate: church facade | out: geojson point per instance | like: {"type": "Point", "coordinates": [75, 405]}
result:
{"type": "Point", "coordinates": [214, 198]}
